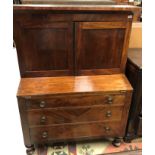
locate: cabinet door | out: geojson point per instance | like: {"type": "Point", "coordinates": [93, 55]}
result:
{"type": "Point", "coordinates": [101, 47]}
{"type": "Point", "coordinates": [44, 48]}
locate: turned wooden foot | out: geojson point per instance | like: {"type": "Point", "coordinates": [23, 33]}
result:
{"type": "Point", "coordinates": [117, 142]}
{"type": "Point", "coordinates": [30, 150]}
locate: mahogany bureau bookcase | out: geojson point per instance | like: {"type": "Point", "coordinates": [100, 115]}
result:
{"type": "Point", "coordinates": [72, 60]}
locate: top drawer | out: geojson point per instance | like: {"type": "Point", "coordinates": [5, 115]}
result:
{"type": "Point", "coordinates": [75, 100]}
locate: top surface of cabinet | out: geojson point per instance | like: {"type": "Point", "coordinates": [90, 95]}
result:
{"type": "Point", "coordinates": [62, 40]}
{"type": "Point", "coordinates": [77, 7]}
{"type": "Point", "coordinates": [73, 84]}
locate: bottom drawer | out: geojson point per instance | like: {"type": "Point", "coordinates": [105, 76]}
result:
{"type": "Point", "coordinates": [75, 131]}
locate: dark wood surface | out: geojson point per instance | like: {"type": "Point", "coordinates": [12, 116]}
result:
{"type": "Point", "coordinates": [17, 1]}
{"type": "Point", "coordinates": [52, 34]}
{"type": "Point", "coordinates": [50, 56]}
{"type": "Point", "coordinates": [92, 108]}
{"type": "Point", "coordinates": [75, 131]}
{"type": "Point", "coordinates": [24, 122]}
{"type": "Point", "coordinates": [56, 40]}
{"type": "Point", "coordinates": [76, 100]}
{"type": "Point", "coordinates": [73, 84]}
{"type": "Point", "coordinates": [74, 115]}
{"type": "Point", "coordinates": [134, 74]}
{"type": "Point", "coordinates": [78, 7]}
{"type": "Point", "coordinates": [91, 2]}
{"type": "Point", "coordinates": [93, 58]}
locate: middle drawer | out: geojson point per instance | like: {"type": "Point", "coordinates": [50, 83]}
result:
{"type": "Point", "coordinates": [74, 115]}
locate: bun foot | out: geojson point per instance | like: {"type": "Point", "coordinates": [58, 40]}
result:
{"type": "Point", "coordinates": [116, 142]}
{"type": "Point", "coordinates": [30, 150]}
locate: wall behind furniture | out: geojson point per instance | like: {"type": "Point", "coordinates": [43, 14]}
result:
{"type": "Point", "coordinates": [11, 138]}
{"type": "Point", "coordinates": [136, 35]}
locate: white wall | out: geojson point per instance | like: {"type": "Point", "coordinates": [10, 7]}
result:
{"type": "Point", "coordinates": [11, 138]}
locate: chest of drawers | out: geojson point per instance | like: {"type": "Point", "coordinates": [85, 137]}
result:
{"type": "Point", "coordinates": [57, 109]}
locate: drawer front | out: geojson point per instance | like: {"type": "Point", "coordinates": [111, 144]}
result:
{"type": "Point", "coordinates": [75, 100]}
{"type": "Point", "coordinates": [74, 115]}
{"type": "Point", "coordinates": [75, 131]}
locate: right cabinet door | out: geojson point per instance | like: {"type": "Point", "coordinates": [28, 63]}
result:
{"type": "Point", "coordinates": [101, 47]}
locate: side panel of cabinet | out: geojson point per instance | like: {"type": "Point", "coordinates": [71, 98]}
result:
{"type": "Point", "coordinates": [44, 48]}
{"type": "Point", "coordinates": [101, 47]}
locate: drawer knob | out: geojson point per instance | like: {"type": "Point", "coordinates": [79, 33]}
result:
{"type": "Point", "coordinates": [108, 114]}
{"type": "Point", "coordinates": [107, 129]}
{"type": "Point", "coordinates": [44, 134]}
{"type": "Point", "coordinates": [42, 104]}
{"type": "Point", "coordinates": [110, 99]}
{"type": "Point", "coordinates": [43, 119]}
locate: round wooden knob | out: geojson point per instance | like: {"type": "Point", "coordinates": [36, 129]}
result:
{"type": "Point", "coordinates": [108, 114]}
{"type": "Point", "coordinates": [44, 134]}
{"type": "Point", "coordinates": [42, 104]}
{"type": "Point", "coordinates": [43, 119]}
{"type": "Point", "coordinates": [107, 129]}
{"type": "Point", "coordinates": [110, 99]}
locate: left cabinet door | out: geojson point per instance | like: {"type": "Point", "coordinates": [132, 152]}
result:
{"type": "Point", "coordinates": [44, 47]}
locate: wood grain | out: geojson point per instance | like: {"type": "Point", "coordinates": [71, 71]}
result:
{"type": "Point", "coordinates": [73, 131]}
{"type": "Point", "coordinates": [76, 100]}
{"type": "Point", "coordinates": [24, 122]}
{"type": "Point", "coordinates": [55, 43]}
{"type": "Point", "coordinates": [50, 34]}
{"type": "Point", "coordinates": [96, 2]}
{"type": "Point", "coordinates": [74, 115]}
{"type": "Point", "coordinates": [105, 36]}
{"type": "Point", "coordinates": [49, 42]}
{"type": "Point", "coordinates": [71, 84]}
{"type": "Point", "coordinates": [102, 25]}
{"type": "Point", "coordinates": [88, 7]}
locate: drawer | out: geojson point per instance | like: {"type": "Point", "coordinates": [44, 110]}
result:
{"type": "Point", "coordinates": [75, 100]}
{"type": "Point", "coordinates": [75, 131]}
{"type": "Point", "coordinates": [74, 115]}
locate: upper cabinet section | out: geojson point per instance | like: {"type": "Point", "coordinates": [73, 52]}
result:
{"type": "Point", "coordinates": [61, 40]}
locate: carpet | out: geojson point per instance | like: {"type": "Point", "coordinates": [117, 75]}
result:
{"type": "Point", "coordinates": [92, 148]}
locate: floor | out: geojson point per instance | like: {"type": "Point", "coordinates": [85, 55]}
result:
{"type": "Point", "coordinates": [103, 147]}
{"type": "Point", "coordinates": [138, 152]}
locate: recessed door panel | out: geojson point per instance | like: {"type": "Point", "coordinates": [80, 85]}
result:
{"type": "Point", "coordinates": [46, 48]}
{"type": "Point", "coordinates": [100, 47]}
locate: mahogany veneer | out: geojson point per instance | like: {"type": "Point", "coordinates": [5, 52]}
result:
{"type": "Point", "coordinates": [79, 107]}
{"type": "Point", "coordinates": [57, 43]}
{"type": "Point", "coordinates": [72, 84]}
{"type": "Point", "coordinates": [60, 40]}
